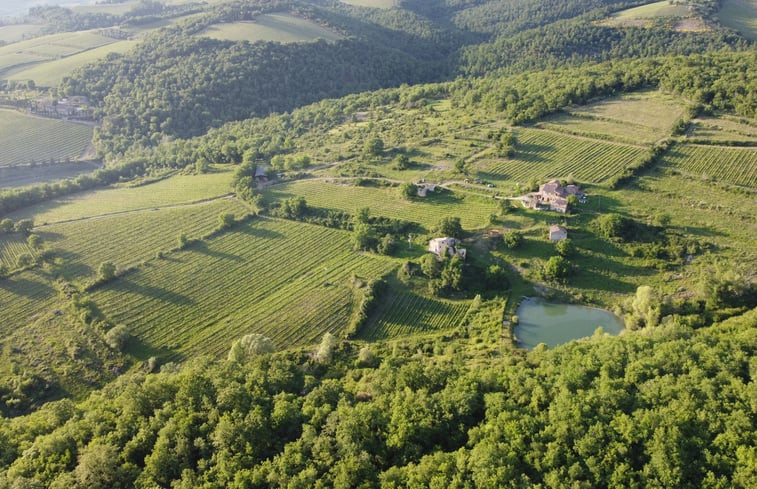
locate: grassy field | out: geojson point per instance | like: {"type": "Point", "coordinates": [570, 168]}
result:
{"type": "Point", "coordinates": [51, 73]}
{"type": "Point", "coordinates": [17, 32]}
{"type": "Point", "coordinates": [544, 154]}
{"type": "Point", "coordinates": [49, 47]}
{"type": "Point", "coordinates": [170, 191]}
{"type": "Point", "coordinates": [156, 230]}
{"type": "Point", "coordinates": [24, 138]}
{"type": "Point", "coordinates": [271, 27]}
{"type": "Point", "coordinates": [657, 9]}
{"type": "Point", "coordinates": [21, 176]}
{"type": "Point", "coordinates": [372, 3]}
{"type": "Point", "coordinates": [721, 129]}
{"type": "Point", "coordinates": [385, 201]}
{"type": "Point", "coordinates": [11, 246]}
{"type": "Point", "coordinates": [649, 109]}
{"type": "Point", "coordinates": [602, 129]}
{"type": "Point", "coordinates": [740, 15]}
{"type": "Point", "coordinates": [402, 312]}
{"type": "Point", "coordinates": [732, 165]}
{"type": "Point", "coordinates": [288, 281]}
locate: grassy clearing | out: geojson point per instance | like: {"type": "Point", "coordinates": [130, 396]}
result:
{"type": "Point", "coordinates": [401, 312]}
{"type": "Point", "coordinates": [602, 129]}
{"type": "Point", "coordinates": [170, 191]}
{"type": "Point", "coordinates": [51, 73]}
{"type": "Point", "coordinates": [50, 47]}
{"type": "Point", "coordinates": [722, 130]}
{"type": "Point", "coordinates": [544, 154]}
{"type": "Point", "coordinates": [21, 176]}
{"type": "Point", "coordinates": [732, 165]}
{"type": "Point", "coordinates": [128, 239]}
{"type": "Point", "coordinates": [24, 138]}
{"type": "Point", "coordinates": [740, 15]}
{"type": "Point", "coordinates": [385, 201]}
{"type": "Point", "coordinates": [11, 247]}
{"type": "Point", "coordinates": [271, 27]}
{"type": "Point", "coordinates": [649, 109]}
{"type": "Point", "coordinates": [372, 3]}
{"type": "Point", "coordinates": [657, 9]}
{"type": "Point", "coordinates": [17, 32]}
{"type": "Point", "coordinates": [288, 281]}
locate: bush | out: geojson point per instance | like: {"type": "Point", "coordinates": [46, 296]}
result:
{"type": "Point", "coordinates": [106, 271]}
{"type": "Point", "coordinates": [513, 239]}
{"type": "Point", "coordinates": [249, 346]}
{"type": "Point", "coordinates": [556, 268]}
{"type": "Point", "coordinates": [117, 337]}
{"type": "Point", "coordinates": [408, 190]}
{"type": "Point", "coordinates": [450, 226]}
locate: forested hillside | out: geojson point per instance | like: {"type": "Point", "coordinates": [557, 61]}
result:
{"type": "Point", "coordinates": [667, 408]}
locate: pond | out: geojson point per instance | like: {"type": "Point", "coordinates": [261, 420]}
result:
{"type": "Point", "coordinates": [555, 324]}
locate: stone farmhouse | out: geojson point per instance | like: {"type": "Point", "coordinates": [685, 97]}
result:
{"type": "Point", "coordinates": [450, 246]}
{"type": "Point", "coordinates": [552, 196]}
{"type": "Point", "coordinates": [557, 233]}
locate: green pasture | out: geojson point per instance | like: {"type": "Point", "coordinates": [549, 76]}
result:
{"type": "Point", "coordinates": [17, 32]}
{"type": "Point", "coordinates": [621, 132]}
{"type": "Point", "coordinates": [649, 109]}
{"type": "Point", "coordinates": [51, 73]}
{"type": "Point", "coordinates": [175, 190]}
{"type": "Point", "coordinates": [427, 211]}
{"type": "Point", "coordinates": [372, 3]}
{"type": "Point", "coordinates": [740, 15]}
{"type": "Point", "coordinates": [22, 176]}
{"type": "Point", "coordinates": [721, 129]}
{"type": "Point", "coordinates": [128, 239]}
{"type": "Point", "coordinates": [665, 8]}
{"type": "Point", "coordinates": [286, 280]}
{"type": "Point", "coordinates": [25, 139]}
{"type": "Point", "coordinates": [279, 27]}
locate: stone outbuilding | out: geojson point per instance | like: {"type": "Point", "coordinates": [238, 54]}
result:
{"type": "Point", "coordinates": [450, 246]}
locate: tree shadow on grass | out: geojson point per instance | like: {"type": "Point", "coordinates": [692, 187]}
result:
{"type": "Point", "coordinates": [202, 247]}
{"type": "Point", "coordinates": [25, 287]}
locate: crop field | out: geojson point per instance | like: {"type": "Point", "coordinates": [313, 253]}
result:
{"type": "Point", "coordinates": [170, 191]}
{"type": "Point", "coordinates": [286, 280]}
{"type": "Point", "coordinates": [733, 165]}
{"type": "Point", "coordinates": [17, 32]}
{"type": "Point", "coordinates": [402, 313]}
{"type": "Point", "coordinates": [644, 14]}
{"type": "Point", "coordinates": [740, 15]}
{"type": "Point", "coordinates": [51, 73]}
{"type": "Point", "coordinates": [49, 47]}
{"type": "Point", "coordinates": [11, 246]}
{"type": "Point", "coordinates": [128, 239]}
{"type": "Point", "coordinates": [648, 109]}
{"type": "Point", "coordinates": [23, 297]}
{"type": "Point", "coordinates": [721, 129]}
{"type": "Point", "coordinates": [271, 27]}
{"type": "Point", "coordinates": [21, 176]}
{"type": "Point", "coordinates": [25, 138]}
{"type": "Point", "coordinates": [544, 154]}
{"type": "Point", "coordinates": [473, 211]}
{"type": "Point", "coordinates": [602, 129]}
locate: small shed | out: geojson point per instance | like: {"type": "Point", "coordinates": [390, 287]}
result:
{"type": "Point", "coordinates": [261, 174]}
{"type": "Point", "coordinates": [557, 233]}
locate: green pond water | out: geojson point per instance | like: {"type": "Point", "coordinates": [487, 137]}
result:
{"type": "Point", "coordinates": [555, 324]}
